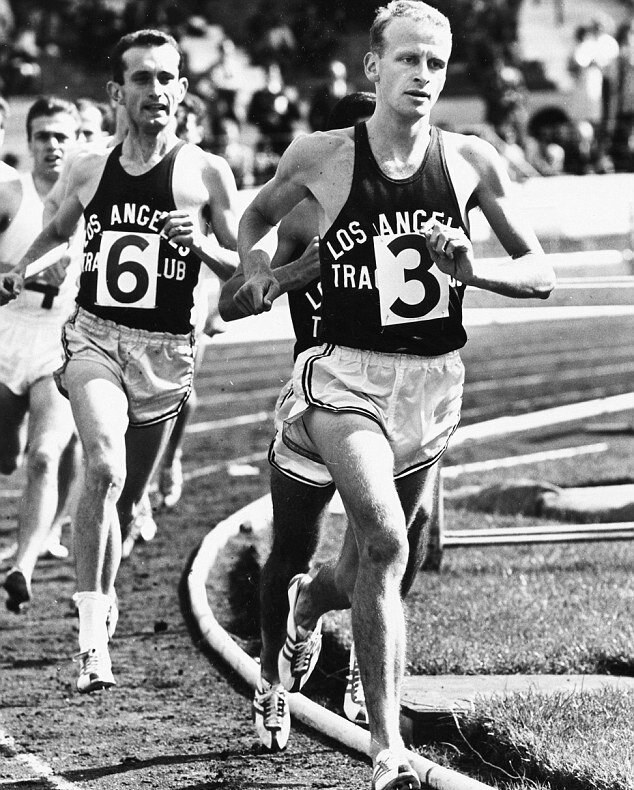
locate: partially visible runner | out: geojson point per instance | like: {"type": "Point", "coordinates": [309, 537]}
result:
{"type": "Point", "coordinates": [7, 172]}
{"type": "Point", "coordinates": [191, 124]}
{"type": "Point", "coordinates": [31, 350]}
{"type": "Point", "coordinates": [94, 120]}
{"type": "Point", "coordinates": [378, 401]}
{"type": "Point", "coordinates": [129, 345]}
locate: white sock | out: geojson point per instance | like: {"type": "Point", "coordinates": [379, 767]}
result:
{"type": "Point", "coordinates": [93, 609]}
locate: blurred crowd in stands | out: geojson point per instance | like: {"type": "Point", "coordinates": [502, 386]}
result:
{"type": "Point", "coordinates": [244, 105]}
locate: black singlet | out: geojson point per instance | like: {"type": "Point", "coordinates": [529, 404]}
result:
{"type": "Point", "coordinates": [130, 274]}
{"type": "Point", "coordinates": [305, 308]}
{"type": "Point", "coordinates": [381, 290]}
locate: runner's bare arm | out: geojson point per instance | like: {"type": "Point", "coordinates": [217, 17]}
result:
{"type": "Point", "coordinates": [217, 251]}
{"type": "Point", "coordinates": [290, 275]}
{"type": "Point", "coordinates": [285, 190]}
{"type": "Point", "coordinates": [57, 232]}
{"type": "Point", "coordinates": [528, 273]}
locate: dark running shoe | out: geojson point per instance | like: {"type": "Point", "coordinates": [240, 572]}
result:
{"type": "Point", "coordinates": [18, 591]}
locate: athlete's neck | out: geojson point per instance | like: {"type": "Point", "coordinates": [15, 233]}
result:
{"type": "Point", "coordinates": [43, 185]}
{"type": "Point", "coordinates": [399, 148]}
{"type": "Point", "coordinates": [140, 152]}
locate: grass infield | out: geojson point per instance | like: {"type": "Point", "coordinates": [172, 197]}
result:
{"type": "Point", "coordinates": [562, 609]}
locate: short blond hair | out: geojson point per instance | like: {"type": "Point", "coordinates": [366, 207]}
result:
{"type": "Point", "coordinates": [412, 9]}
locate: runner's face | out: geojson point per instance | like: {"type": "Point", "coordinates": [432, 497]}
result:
{"type": "Point", "coordinates": [51, 137]}
{"type": "Point", "coordinates": [152, 88]}
{"type": "Point", "coordinates": [411, 73]}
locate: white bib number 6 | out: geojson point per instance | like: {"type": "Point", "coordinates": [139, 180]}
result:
{"type": "Point", "coordinates": [128, 269]}
{"type": "Point", "coordinates": [411, 286]}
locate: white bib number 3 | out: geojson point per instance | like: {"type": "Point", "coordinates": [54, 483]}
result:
{"type": "Point", "coordinates": [128, 269]}
{"type": "Point", "coordinates": [411, 287]}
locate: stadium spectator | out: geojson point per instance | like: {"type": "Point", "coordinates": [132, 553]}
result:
{"type": "Point", "coordinates": [227, 142]}
{"type": "Point", "coordinates": [326, 96]}
{"type": "Point", "coordinates": [274, 110]}
{"type": "Point", "coordinates": [620, 101]}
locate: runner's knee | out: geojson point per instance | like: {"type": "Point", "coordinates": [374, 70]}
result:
{"type": "Point", "coordinates": [387, 548]}
{"type": "Point", "coordinates": [42, 460]}
{"type": "Point", "coordinates": [105, 476]}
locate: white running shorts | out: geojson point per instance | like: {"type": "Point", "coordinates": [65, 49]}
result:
{"type": "Point", "coordinates": [415, 400]}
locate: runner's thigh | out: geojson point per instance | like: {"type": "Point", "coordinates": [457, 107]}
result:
{"type": "Point", "coordinates": [51, 423]}
{"type": "Point", "coordinates": [100, 409]}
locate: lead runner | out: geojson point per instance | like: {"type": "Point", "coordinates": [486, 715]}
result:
{"type": "Point", "coordinates": [129, 345]}
{"type": "Point", "coordinates": [379, 400]}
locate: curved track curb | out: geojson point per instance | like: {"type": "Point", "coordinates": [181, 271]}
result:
{"type": "Point", "coordinates": [257, 516]}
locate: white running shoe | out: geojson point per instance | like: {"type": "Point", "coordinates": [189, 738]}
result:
{"type": "Point", "coordinates": [95, 670]}
{"type": "Point", "coordinates": [142, 527]}
{"type": "Point", "coordinates": [53, 546]}
{"type": "Point", "coordinates": [298, 657]}
{"type": "Point", "coordinates": [392, 773]}
{"type": "Point", "coordinates": [354, 698]}
{"type": "Point", "coordinates": [271, 715]}
{"type": "Point", "coordinates": [171, 483]}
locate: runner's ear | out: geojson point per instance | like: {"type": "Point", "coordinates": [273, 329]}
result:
{"type": "Point", "coordinates": [114, 91]}
{"type": "Point", "coordinates": [370, 63]}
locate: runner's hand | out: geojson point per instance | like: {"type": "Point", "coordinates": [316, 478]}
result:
{"type": "Point", "coordinates": [55, 274]}
{"type": "Point", "coordinates": [10, 286]}
{"type": "Point", "coordinates": [179, 227]}
{"type": "Point", "coordinates": [451, 251]}
{"type": "Point", "coordinates": [258, 293]}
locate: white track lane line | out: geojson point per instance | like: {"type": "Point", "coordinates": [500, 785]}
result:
{"type": "Point", "coordinates": [518, 460]}
{"type": "Point", "coordinates": [39, 769]}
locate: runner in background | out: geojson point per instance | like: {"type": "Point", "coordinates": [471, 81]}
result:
{"type": "Point", "coordinates": [30, 350]}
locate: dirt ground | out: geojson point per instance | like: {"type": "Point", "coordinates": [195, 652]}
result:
{"type": "Point", "coordinates": [175, 719]}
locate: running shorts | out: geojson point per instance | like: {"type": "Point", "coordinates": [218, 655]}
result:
{"type": "Point", "coordinates": [415, 400]}
{"type": "Point", "coordinates": [30, 350]}
{"type": "Point", "coordinates": [154, 369]}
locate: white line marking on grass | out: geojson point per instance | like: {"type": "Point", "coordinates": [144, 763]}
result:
{"type": "Point", "coordinates": [540, 419]}
{"type": "Point", "coordinates": [529, 458]}
{"type": "Point", "coordinates": [12, 493]}
{"type": "Point", "coordinates": [535, 379]}
{"type": "Point", "coordinates": [41, 770]}
{"type": "Point", "coordinates": [239, 396]}
{"type": "Point", "coordinates": [483, 316]}
{"type": "Point", "coordinates": [574, 283]}
{"type": "Point", "coordinates": [231, 422]}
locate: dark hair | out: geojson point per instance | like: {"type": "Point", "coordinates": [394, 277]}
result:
{"type": "Point", "coordinates": [47, 106]}
{"type": "Point", "coordinates": [351, 109]}
{"type": "Point", "coordinates": [140, 38]}
{"type": "Point", "coordinates": [412, 9]}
